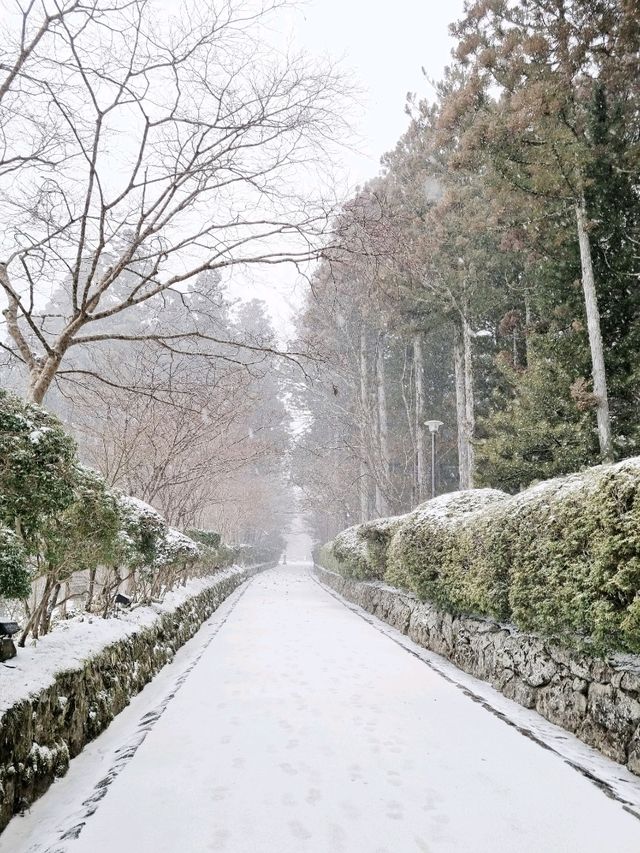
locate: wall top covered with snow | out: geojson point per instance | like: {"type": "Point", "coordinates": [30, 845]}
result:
{"type": "Point", "coordinates": [75, 641]}
{"type": "Point", "coordinates": [561, 559]}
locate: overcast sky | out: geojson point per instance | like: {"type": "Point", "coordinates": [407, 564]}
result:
{"type": "Point", "coordinates": [384, 46]}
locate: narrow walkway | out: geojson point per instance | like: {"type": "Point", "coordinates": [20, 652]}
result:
{"type": "Point", "coordinates": [302, 728]}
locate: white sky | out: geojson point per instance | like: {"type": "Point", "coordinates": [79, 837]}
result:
{"type": "Point", "coordinates": [383, 45]}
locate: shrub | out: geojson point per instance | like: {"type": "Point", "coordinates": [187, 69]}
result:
{"type": "Point", "coordinates": [360, 552]}
{"type": "Point", "coordinates": [377, 536]}
{"type": "Point", "coordinates": [430, 553]}
{"type": "Point", "coordinates": [209, 538]}
{"type": "Point", "coordinates": [86, 533]}
{"type": "Point", "coordinates": [37, 468]}
{"type": "Point", "coordinates": [576, 558]}
{"type": "Point", "coordinates": [351, 549]}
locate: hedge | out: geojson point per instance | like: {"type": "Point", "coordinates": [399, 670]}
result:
{"type": "Point", "coordinates": [561, 559]}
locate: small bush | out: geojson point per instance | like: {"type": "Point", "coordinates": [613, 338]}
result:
{"type": "Point", "coordinates": [378, 535]}
{"type": "Point", "coordinates": [351, 549]}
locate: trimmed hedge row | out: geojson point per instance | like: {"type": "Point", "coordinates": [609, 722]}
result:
{"type": "Point", "coordinates": [561, 559]}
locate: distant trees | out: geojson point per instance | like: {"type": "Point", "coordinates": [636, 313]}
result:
{"type": "Point", "coordinates": [159, 147]}
{"type": "Point", "coordinates": [186, 432]}
{"type": "Point", "coordinates": [506, 290]}
{"type": "Point", "coordinates": [145, 152]}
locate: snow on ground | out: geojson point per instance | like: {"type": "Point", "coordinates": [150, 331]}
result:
{"type": "Point", "coordinates": [299, 727]}
{"type": "Point", "coordinates": [73, 641]}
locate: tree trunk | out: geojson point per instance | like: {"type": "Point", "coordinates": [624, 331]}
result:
{"type": "Point", "coordinates": [92, 586]}
{"type": "Point", "coordinates": [469, 399]}
{"type": "Point", "coordinates": [382, 482]}
{"type": "Point", "coordinates": [461, 408]}
{"type": "Point", "coordinates": [595, 335]}
{"type": "Point", "coordinates": [364, 405]}
{"type": "Point", "coordinates": [33, 622]}
{"type": "Point", "coordinates": [418, 370]}
{"type": "Point", "coordinates": [47, 613]}
{"type": "Point", "coordinates": [528, 322]}
{"type": "Point", "coordinates": [65, 600]}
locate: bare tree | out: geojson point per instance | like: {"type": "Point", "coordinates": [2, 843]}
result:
{"type": "Point", "coordinates": [181, 145]}
{"type": "Point", "coordinates": [28, 137]}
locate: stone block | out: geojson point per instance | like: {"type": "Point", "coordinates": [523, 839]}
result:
{"type": "Point", "coordinates": [560, 703]}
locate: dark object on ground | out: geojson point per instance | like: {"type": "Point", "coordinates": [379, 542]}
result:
{"type": "Point", "coordinates": [124, 600]}
{"type": "Point", "coordinates": [8, 629]}
{"type": "Point", "coordinates": [7, 649]}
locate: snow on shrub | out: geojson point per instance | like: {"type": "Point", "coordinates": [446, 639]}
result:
{"type": "Point", "coordinates": [575, 566]}
{"type": "Point", "coordinates": [208, 538]}
{"type": "Point", "coordinates": [351, 550]}
{"type": "Point", "coordinates": [143, 530]}
{"type": "Point", "coordinates": [424, 548]}
{"type": "Point", "coordinates": [378, 535]}
{"type": "Point", "coordinates": [85, 534]}
{"type": "Point", "coordinates": [561, 559]}
{"type": "Point", "coordinates": [176, 548]}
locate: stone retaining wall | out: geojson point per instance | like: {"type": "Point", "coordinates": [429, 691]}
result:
{"type": "Point", "coordinates": [597, 700]}
{"type": "Point", "coordinates": [39, 735]}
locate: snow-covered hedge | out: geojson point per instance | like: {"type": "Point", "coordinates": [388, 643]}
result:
{"type": "Point", "coordinates": [360, 552]}
{"type": "Point", "coordinates": [561, 559]}
{"type": "Point", "coordinates": [431, 552]}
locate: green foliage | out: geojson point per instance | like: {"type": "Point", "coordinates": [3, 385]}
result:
{"type": "Point", "coordinates": [431, 553]}
{"type": "Point", "coordinates": [325, 557]}
{"type": "Point", "coordinates": [536, 428]}
{"type": "Point", "coordinates": [351, 550]}
{"type": "Point", "coordinates": [561, 559]}
{"type": "Point", "coordinates": [360, 552]}
{"type": "Point", "coordinates": [206, 537]}
{"type": "Point", "coordinates": [14, 572]}
{"type": "Point", "coordinates": [176, 549]}
{"type": "Point", "coordinates": [37, 468]}
{"type": "Point", "coordinates": [576, 560]}
{"type": "Point", "coordinates": [58, 518]}
{"type": "Point", "coordinates": [87, 532]}
{"type": "Point", "coordinates": [378, 535]}
{"type": "Point", "coordinates": [143, 531]}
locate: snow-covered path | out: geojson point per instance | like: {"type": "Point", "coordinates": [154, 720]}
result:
{"type": "Point", "coordinates": [301, 728]}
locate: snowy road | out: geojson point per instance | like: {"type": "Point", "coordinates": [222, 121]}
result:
{"type": "Point", "coordinates": [300, 727]}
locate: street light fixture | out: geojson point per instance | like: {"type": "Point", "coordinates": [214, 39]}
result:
{"type": "Point", "coordinates": [433, 427]}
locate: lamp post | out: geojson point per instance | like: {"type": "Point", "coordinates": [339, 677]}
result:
{"type": "Point", "coordinates": [433, 427]}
